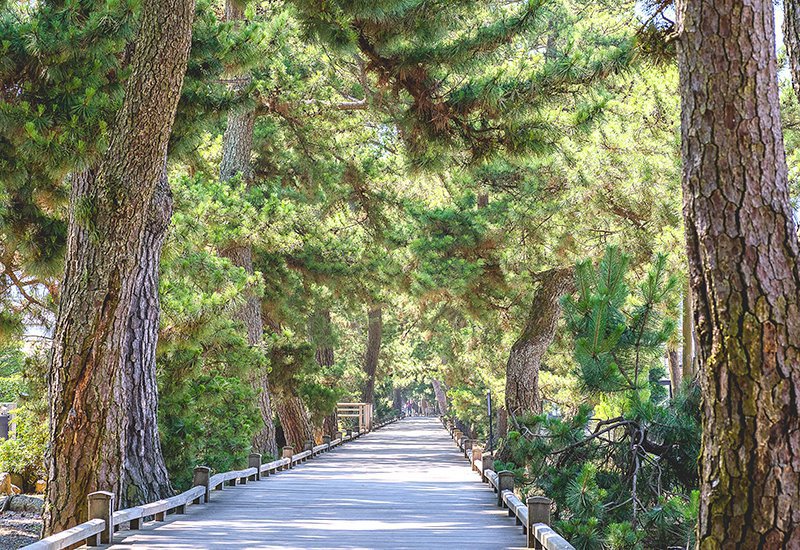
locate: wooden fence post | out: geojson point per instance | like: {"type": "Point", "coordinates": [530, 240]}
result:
{"type": "Point", "coordinates": [254, 461]}
{"type": "Point", "coordinates": [538, 512]}
{"type": "Point", "coordinates": [308, 446]}
{"type": "Point", "coordinates": [505, 482]}
{"type": "Point", "coordinates": [202, 475]}
{"type": "Point", "coordinates": [326, 440]}
{"type": "Point", "coordinates": [467, 447]}
{"type": "Point", "coordinates": [101, 506]}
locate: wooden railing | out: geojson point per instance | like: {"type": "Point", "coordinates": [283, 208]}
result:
{"type": "Point", "coordinates": [104, 521]}
{"type": "Point", "coordinates": [361, 411]}
{"type": "Point", "coordinates": [533, 515]}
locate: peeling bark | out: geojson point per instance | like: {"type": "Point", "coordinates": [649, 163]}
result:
{"type": "Point", "coordinates": [107, 221]}
{"type": "Point", "coordinates": [524, 361]}
{"type": "Point", "coordinates": [743, 257]}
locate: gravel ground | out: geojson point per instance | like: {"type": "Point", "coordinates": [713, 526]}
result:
{"type": "Point", "coordinates": [18, 529]}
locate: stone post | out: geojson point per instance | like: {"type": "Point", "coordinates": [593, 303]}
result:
{"type": "Point", "coordinates": [201, 478]}
{"type": "Point", "coordinates": [477, 453]}
{"type": "Point", "coordinates": [486, 464]}
{"type": "Point", "coordinates": [505, 482]}
{"type": "Point", "coordinates": [254, 461]}
{"type": "Point", "coordinates": [467, 447]}
{"type": "Point", "coordinates": [101, 506]}
{"type": "Point", "coordinates": [538, 512]}
{"type": "Point", "coordinates": [326, 440]}
{"type": "Point", "coordinates": [288, 452]}
{"type": "Point", "coordinates": [308, 446]}
{"type": "Point", "coordinates": [339, 435]}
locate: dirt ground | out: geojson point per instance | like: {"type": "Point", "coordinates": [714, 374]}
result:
{"type": "Point", "coordinates": [18, 529]}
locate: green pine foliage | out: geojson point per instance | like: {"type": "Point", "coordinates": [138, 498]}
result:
{"type": "Point", "coordinates": [622, 468]}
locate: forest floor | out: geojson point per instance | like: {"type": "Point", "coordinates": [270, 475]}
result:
{"type": "Point", "coordinates": [18, 529]}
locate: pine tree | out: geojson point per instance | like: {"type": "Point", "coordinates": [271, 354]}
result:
{"type": "Point", "coordinates": [621, 467]}
{"type": "Point", "coordinates": [108, 221]}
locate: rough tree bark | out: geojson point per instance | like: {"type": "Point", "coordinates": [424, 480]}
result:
{"type": "Point", "coordinates": [292, 413]}
{"type": "Point", "coordinates": [374, 333]}
{"type": "Point", "coordinates": [441, 395]}
{"type": "Point", "coordinates": [743, 257]}
{"type": "Point", "coordinates": [108, 216]}
{"type": "Point", "coordinates": [524, 361]}
{"type": "Point", "coordinates": [237, 149]}
{"type": "Point", "coordinates": [144, 476]}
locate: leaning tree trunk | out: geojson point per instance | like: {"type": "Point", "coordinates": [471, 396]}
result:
{"type": "Point", "coordinates": [144, 475]}
{"type": "Point", "coordinates": [743, 257]}
{"type": "Point", "coordinates": [108, 217]}
{"type": "Point", "coordinates": [441, 395]}
{"type": "Point", "coordinates": [292, 413]}
{"type": "Point", "coordinates": [524, 361]}
{"type": "Point", "coordinates": [237, 148]}
{"type": "Point", "coordinates": [374, 332]}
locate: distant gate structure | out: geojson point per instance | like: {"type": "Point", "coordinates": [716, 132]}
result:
{"type": "Point", "coordinates": [362, 411]}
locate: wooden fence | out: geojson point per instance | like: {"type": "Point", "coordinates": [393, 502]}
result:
{"type": "Point", "coordinates": [361, 411]}
{"type": "Point", "coordinates": [104, 521]}
{"type": "Point", "coordinates": [533, 515]}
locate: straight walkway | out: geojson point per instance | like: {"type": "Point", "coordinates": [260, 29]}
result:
{"type": "Point", "coordinates": [404, 486]}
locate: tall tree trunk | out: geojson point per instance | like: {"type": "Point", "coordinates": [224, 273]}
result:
{"type": "Point", "coordinates": [687, 330]}
{"type": "Point", "coordinates": [441, 395]}
{"type": "Point", "coordinates": [250, 315]}
{"type": "Point", "coordinates": [397, 400]}
{"type": "Point", "coordinates": [237, 149]}
{"type": "Point", "coordinates": [374, 333]}
{"type": "Point", "coordinates": [320, 332]}
{"type": "Point", "coordinates": [675, 378]}
{"type": "Point", "coordinates": [791, 38]}
{"type": "Point", "coordinates": [524, 361]}
{"type": "Point", "coordinates": [108, 216]}
{"type": "Point", "coordinates": [292, 413]}
{"type": "Point", "coordinates": [144, 476]}
{"type": "Point", "coordinates": [743, 258]}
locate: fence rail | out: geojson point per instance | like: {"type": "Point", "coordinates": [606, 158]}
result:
{"type": "Point", "coordinates": [104, 521]}
{"type": "Point", "coordinates": [533, 515]}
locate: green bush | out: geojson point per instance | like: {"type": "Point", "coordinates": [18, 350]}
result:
{"type": "Point", "coordinates": [24, 454]}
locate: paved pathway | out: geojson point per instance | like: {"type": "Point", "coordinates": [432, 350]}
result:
{"type": "Point", "coordinates": [404, 486]}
